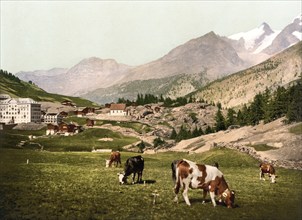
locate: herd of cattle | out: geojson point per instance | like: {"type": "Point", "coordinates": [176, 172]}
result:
{"type": "Point", "coordinates": [187, 174]}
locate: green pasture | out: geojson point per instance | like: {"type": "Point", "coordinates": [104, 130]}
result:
{"type": "Point", "coordinates": [76, 185]}
{"type": "Point", "coordinates": [85, 141]}
{"type": "Point", "coordinates": [263, 147]}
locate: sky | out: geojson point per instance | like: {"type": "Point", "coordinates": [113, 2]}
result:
{"type": "Point", "coordinates": [38, 35]}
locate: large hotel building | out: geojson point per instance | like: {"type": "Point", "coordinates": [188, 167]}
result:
{"type": "Point", "coordinates": [19, 110]}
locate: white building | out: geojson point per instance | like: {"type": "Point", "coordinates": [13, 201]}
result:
{"type": "Point", "coordinates": [53, 118]}
{"type": "Point", "coordinates": [118, 110]}
{"type": "Point", "coordinates": [19, 110]}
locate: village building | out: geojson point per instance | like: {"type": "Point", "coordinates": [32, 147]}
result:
{"type": "Point", "coordinates": [68, 129]}
{"type": "Point", "coordinates": [52, 129]}
{"type": "Point", "coordinates": [118, 110]}
{"type": "Point", "coordinates": [80, 112]}
{"type": "Point", "coordinates": [89, 122]}
{"type": "Point", "coordinates": [19, 110]}
{"type": "Point", "coordinates": [88, 110]}
{"type": "Point", "coordinates": [64, 114]}
{"type": "Point", "coordinates": [53, 118]}
{"type": "Point", "coordinates": [67, 103]}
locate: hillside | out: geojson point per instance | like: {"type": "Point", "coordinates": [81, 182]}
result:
{"type": "Point", "coordinates": [87, 75]}
{"type": "Point", "coordinates": [15, 87]}
{"type": "Point", "coordinates": [173, 87]}
{"type": "Point", "coordinates": [209, 53]}
{"type": "Point", "coordinates": [242, 86]}
{"type": "Point", "coordinates": [282, 145]}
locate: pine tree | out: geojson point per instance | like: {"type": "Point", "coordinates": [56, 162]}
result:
{"type": "Point", "coordinates": [208, 130]}
{"type": "Point", "coordinates": [279, 103]}
{"type": "Point", "coordinates": [294, 112]}
{"type": "Point", "coordinates": [256, 110]}
{"type": "Point", "coordinates": [231, 120]}
{"type": "Point", "coordinates": [220, 121]}
{"type": "Point", "coordinates": [173, 134]}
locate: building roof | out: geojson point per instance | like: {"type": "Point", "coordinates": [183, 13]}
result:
{"type": "Point", "coordinates": [52, 114]}
{"type": "Point", "coordinates": [117, 106]}
{"type": "Point", "coordinates": [18, 101]}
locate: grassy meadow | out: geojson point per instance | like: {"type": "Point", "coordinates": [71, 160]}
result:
{"type": "Point", "coordinates": [76, 185]}
{"type": "Point", "coordinates": [85, 141]}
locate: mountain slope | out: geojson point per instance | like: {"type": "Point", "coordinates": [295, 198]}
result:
{"type": "Point", "coordinates": [44, 78]}
{"type": "Point", "coordinates": [15, 87]}
{"type": "Point", "coordinates": [173, 86]}
{"type": "Point", "coordinates": [87, 75]}
{"type": "Point", "coordinates": [290, 35]}
{"type": "Point", "coordinates": [241, 87]}
{"type": "Point", "coordinates": [208, 53]}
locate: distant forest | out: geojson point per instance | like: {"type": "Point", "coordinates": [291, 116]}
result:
{"type": "Point", "coordinates": [10, 76]}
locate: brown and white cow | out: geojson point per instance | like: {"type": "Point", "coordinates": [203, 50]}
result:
{"type": "Point", "coordinates": [269, 169]}
{"type": "Point", "coordinates": [115, 157]}
{"type": "Point", "coordinates": [205, 177]}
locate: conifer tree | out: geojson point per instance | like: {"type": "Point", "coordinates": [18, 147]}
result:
{"type": "Point", "coordinates": [231, 120]}
{"type": "Point", "coordinates": [208, 130]}
{"type": "Point", "coordinates": [173, 134]}
{"type": "Point", "coordinates": [256, 110]}
{"type": "Point", "coordinates": [220, 121]}
{"type": "Point", "coordinates": [294, 112]}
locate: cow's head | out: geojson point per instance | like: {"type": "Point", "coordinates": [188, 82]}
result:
{"type": "Point", "coordinates": [229, 198]}
{"type": "Point", "coordinates": [107, 163]}
{"type": "Point", "coordinates": [122, 178]}
{"type": "Point", "coordinates": [273, 178]}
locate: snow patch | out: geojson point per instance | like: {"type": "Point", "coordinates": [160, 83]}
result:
{"type": "Point", "coordinates": [267, 41]}
{"type": "Point", "coordinates": [298, 34]}
{"type": "Point", "coordinates": [251, 36]}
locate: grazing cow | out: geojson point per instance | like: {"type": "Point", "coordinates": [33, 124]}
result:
{"type": "Point", "coordinates": [133, 165]}
{"type": "Point", "coordinates": [205, 177]}
{"type": "Point", "coordinates": [115, 157]}
{"type": "Point", "coordinates": [269, 169]}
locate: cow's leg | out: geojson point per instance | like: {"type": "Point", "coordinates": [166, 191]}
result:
{"type": "Point", "coordinates": [204, 194]}
{"type": "Point", "coordinates": [212, 195]}
{"type": "Point", "coordinates": [261, 175]}
{"type": "Point", "coordinates": [176, 190]}
{"type": "Point", "coordinates": [273, 178]}
{"type": "Point", "coordinates": [133, 177]}
{"type": "Point", "coordinates": [186, 183]}
{"type": "Point", "coordinates": [140, 176]}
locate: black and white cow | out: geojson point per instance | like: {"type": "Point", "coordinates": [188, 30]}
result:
{"type": "Point", "coordinates": [133, 165]}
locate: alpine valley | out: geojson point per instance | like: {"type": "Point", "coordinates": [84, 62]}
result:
{"type": "Point", "coordinates": [186, 68]}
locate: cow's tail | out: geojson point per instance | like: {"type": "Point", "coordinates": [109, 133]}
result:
{"type": "Point", "coordinates": [175, 176]}
{"type": "Point", "coordinates": [173, 167]}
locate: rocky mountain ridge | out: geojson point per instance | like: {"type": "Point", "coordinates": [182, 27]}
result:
{"type": "Point", "coordinates": [239, 88]}
{"type": "Point", "coordinates": [173, 86]}
{"type": "Point", "coordinates": [215, 55]}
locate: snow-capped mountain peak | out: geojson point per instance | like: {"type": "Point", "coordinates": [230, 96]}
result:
{"type": "Point", "coordinates": [257, 37]}
{"type": "Point", "coordinates": [298, 19]}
